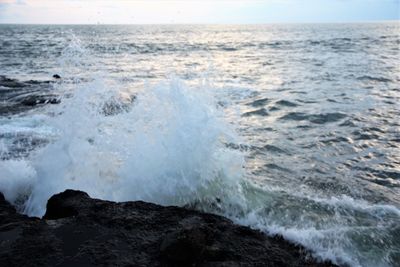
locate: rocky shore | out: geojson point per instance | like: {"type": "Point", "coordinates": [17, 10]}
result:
{"type": "Point", "coordinates": [20, 96]}
{"type": "Point", "coordinates": [80, 231]}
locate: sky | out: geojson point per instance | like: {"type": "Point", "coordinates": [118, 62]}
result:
{"type": "Point", "coordinates": [195, 11]}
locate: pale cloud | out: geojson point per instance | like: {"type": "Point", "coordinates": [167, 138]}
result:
{"type": "Point", "coordinates": [220, 11]}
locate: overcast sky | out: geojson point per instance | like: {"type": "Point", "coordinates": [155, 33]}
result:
{"type": "Point", "coordinates": [187, 11]}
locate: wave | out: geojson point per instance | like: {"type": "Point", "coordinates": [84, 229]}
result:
{"type": "Point", "coordinates": [170, 144]}
{"type": "Point", "coordinates": [314, 118]}
{"type": "Point", "coordinates": [168, 148]}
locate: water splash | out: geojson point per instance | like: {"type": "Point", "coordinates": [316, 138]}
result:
{"type": "Point", "coordinates": [165, 143]}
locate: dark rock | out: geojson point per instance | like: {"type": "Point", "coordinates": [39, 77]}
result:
{"type": "Point", "coordinates": [10, 83]}
{"type": "Point", "coordinates": [34, 100]}
{"type": "Point", "coordinates": [184, 245]}
{"type": "Point", "coordinates": [56, 76]}
{"type": "Point", "coordinates": [80, 231]}
{"type": "Point", "coordinates": [19, 96]}
{"type": "Point", "coordinates": [65, 204]}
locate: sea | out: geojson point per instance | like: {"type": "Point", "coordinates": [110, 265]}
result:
{"type": "Point", "coordinates": [292, 129]}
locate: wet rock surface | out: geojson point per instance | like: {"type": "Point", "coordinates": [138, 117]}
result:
{"type": "Point", "coordinates": [19, 96]}
{"type": "Point", "coordinates": [80, 231]}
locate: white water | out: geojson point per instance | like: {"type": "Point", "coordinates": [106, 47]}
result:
{"type": "Point", "coordinates": [168, 147]}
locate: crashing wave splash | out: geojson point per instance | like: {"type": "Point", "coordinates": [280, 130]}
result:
{"type": "Point", "coordinates": [166, 144]}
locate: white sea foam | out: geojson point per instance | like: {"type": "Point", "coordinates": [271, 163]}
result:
{"type": "Point", "coordinates": [168, 147]}
{"type": "Point", "coordinates": [17, 180]}
{"type": "Point", "coordinates": [345, 230]}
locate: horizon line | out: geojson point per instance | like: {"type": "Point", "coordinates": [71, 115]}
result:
{"type": "Point", "coordinates": [191, 23]}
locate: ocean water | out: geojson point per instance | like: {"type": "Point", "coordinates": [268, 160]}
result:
{"type": "Point", "coordinates": [291, 129]}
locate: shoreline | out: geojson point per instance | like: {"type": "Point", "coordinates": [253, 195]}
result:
{"type": "Point", "coordinates": [80, 231]}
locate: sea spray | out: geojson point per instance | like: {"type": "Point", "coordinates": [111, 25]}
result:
{"type": "Point", "coordinates": [166, 146]}
{"type": "Point", "coordinates": [350, 232]}
{"type": "Point", "coordinates": [169, 143]}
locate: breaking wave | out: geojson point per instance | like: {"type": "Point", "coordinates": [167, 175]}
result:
{"type": "Point", "coordinates": [169, 143]}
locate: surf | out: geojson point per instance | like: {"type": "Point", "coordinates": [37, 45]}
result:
{"type": "Point", "coordinates": [170, 143]}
